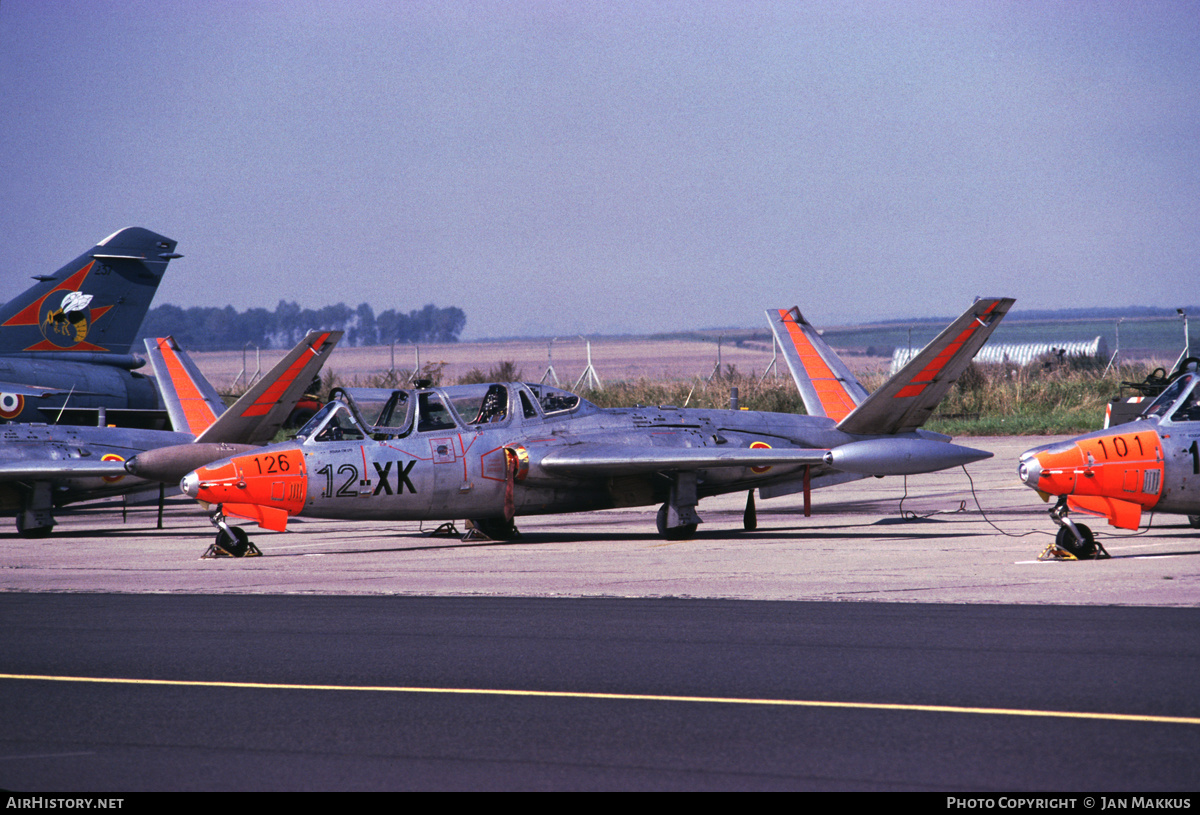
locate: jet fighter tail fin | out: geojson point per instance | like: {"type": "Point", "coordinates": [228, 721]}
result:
{"type": "Point", "coordinates": [192, 403]}
{"type": "Point", "coordinates": [95, 304]}
{"type": "Point", "coordinates": [905, 401]}
{"type": "Point", "coordinates": [826, 384]}
{"type": "Point", "coordinates": [258, 414]}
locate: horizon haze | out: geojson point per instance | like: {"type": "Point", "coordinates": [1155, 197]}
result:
{"type": "Point", "coordinates": [612, 168]}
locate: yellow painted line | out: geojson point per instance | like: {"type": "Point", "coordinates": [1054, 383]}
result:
{"type": "Point", "coordinates": [636, 697]}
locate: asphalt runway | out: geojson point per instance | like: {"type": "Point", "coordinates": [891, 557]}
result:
{"type": "Point", "coordinates": [896, 592]}
{"type": "Point", "coordinates": [354, 693]}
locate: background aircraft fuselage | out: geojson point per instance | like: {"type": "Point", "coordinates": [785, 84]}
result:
{"type": "Point", "coordinates": [82, 387]}
{"type": "Point", "coordinates": [34, 447]}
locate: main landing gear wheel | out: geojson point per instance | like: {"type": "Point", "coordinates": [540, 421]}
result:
{"type": "Point", "coordinates": [32, 531]}
{"type": "Point", "coordinates": [1065, 539]}
{"type": "Point", "coordinates": [674, 533]}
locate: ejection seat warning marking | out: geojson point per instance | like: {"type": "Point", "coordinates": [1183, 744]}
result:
{"type": "Point", "coordinates": [443, 451]}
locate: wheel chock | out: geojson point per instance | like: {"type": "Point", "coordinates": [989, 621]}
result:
{"type": "Point", "coordinates": [479, 534]}
{"type": "Point", "coordinates": [1056, 552]}
{"type": "Point", "coordinates": [215, 551]}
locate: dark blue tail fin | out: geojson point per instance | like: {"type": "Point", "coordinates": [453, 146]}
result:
{"type": "Point", "coordinates": [94, 304]}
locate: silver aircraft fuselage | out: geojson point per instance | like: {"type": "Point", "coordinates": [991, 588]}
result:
{"type": "Point", "coordinates": [505, 449]}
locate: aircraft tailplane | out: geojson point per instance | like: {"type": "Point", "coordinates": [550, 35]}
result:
{"type": "Point", "coordinates": [94, 304]}
{"type": "Point", "coordinates": [908, 399]}
{"type": "Point", "coordinates": [258, 414]}
{"type": "Point", "coordinates": [192, 403]}
{"type": "Point", "coordinates": [826, 385]}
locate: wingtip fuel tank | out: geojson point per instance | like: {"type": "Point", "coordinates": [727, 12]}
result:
{"type": "Point", "coordinates": [169, 464]}
{"type": "Point", "coordinates": [901, 456]}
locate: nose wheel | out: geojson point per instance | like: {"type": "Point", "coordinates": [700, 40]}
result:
{"type": "Point", "coordinates": [232, 541]}
{"type": "Point", "coordinates": [1073, 541]}
{"type": "Point", "coordinates": [1083, 546]}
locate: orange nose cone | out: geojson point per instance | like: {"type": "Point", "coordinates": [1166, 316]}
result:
{"type": "Point", "coordinates": [1059, 469]}
{"type": "Point", "coordinates": [274, 479]}
{"type": "Point", "coordinates": [267, 486]}
{"type": "Point", "coordinates": [213, 484]}
{"type": "Point", "coordinates": [1052, 470]}
{"type": "Point", "coordinates": [1115, 474]}
{"type": "Point", "coordinates": [1126, 466]}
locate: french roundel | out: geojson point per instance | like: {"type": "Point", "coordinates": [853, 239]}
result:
{"type": "Point", "coordinates": [11, 405]}
{"type": "Point", "coordinates": [112, 479]}
{"type": "Point", "coordinates": [760, 444]}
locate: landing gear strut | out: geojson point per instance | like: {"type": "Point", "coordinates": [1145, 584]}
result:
{"type": "Point", "coordinates": [750, 515]}
{"type": "Point", "coordinates": [232, 541]}
{"type": "Point", "coordinates": [36, 518]}
{"type": "Point", "coordinates": [1073, 541]}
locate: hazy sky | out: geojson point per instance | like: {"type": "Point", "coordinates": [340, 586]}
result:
{"type": "Point", "coordinates": [582, 167]}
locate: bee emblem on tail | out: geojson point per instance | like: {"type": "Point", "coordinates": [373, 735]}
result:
{"type": "Point", "coordinates": [68, 324]}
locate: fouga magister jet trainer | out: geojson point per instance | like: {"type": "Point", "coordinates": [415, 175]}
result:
{"type": "Point", "coordinates": [1152, 463]}
{"type": "Point", "coordinates": [491, 452]}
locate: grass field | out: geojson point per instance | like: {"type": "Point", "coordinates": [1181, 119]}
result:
{"type": "Point", "coordinates": [866, 349]}
{"type": "Point", "coordinates": [614, 360]}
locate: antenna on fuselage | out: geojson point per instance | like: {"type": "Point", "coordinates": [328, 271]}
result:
{"type": "Point", "coordinates": [63, 409]}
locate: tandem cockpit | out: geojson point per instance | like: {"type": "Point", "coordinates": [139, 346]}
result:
{"type": "Point", "coordinates": [1180, 402]}
{"type": "Point", "coordinates": [355, 414]}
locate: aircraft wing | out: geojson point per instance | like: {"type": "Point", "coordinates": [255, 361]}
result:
{"type": "Point", "coordinates": [258, 414]}
{"type": "Point", "coordinates": [60, 469]}
{"type": "Point", "coordinates": [905, 401]}
{"type": "Point", "coordinates": [23, 389]}
{"type": "Point", "coordinates": [602, 460]}
{"type": "Point", "coordinates": [877, 456]}
{"type": "Point", "coordinates": [826, 385]}
{"type": "Point", "coordinates": [37, 391]}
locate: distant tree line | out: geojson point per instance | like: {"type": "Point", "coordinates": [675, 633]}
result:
{"type": "Point", "coordinates": [216, 329]}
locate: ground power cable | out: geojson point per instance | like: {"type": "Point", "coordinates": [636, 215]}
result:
{"type": "Point", "coordinates": [983, 514]}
